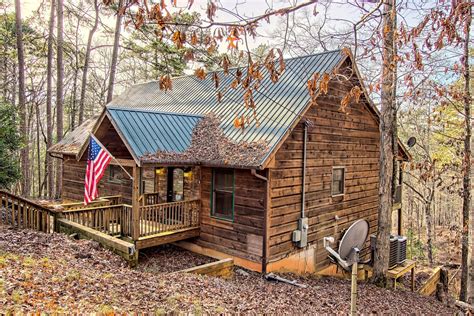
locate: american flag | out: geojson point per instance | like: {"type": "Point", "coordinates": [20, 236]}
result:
{"type": "Point", "coordinates": [97, 162]}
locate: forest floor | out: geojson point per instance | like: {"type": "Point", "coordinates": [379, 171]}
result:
{"type": "Point", "coordinates": [446, 252]}
{"type": "Point", "coordinates": [54, 273]}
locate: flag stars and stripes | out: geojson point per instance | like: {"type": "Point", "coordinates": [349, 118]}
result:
{"type": "Point", "coordinates": [97, 162]}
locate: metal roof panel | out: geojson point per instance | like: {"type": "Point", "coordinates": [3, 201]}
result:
{"type": "Point", "coordinates": [278, 105]}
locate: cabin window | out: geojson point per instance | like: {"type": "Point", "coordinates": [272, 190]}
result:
{"type": "Point", "coordinates": [338, 177]}
{"type": "Point", "coordinates": [115, 174]}
{"type": "Point", "coordinates": [178, 184]}
{"type": "Point", "coordinates": [222, 197]}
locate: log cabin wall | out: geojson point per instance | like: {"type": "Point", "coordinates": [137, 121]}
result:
{"type": "Point", "coordinates": [73, 181]}
{"type": "Point", "coordinates": [242, 237]}
{"type": "Point", "coordinates": [109, 137]}
{"type": "Point", "coordinates": [350, 140]}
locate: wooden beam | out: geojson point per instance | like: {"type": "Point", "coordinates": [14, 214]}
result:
{"type": "Point", "coordinates": [107, 241]}
{"type": "Point", "coordinates": [166, 238]}
{"type": "Point", "coordinates": [123, 162]}
{"type": "Point", "coordinates": [221, 268]}
{"type": "Point", "coordinates": [430, 285]}
{"type": "Point", "coordinates": [136, 203]}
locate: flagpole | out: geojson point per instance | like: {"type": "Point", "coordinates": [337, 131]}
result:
{"type": "Point", "coordinates": [92, 135]}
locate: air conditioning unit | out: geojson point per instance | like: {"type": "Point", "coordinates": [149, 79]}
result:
{"type": "Point", "coordinates": [393, 250]}
{"type": "Point", "coordinates": [401, 249]}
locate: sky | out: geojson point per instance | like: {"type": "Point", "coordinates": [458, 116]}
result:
{"type": "Point", "coordinates": [245, 8]}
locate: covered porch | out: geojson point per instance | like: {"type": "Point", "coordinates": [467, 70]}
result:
{"type": "Point", "coordinates": [165, 206]}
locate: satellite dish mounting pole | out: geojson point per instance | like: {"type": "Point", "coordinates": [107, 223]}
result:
{"type": "Point", "coordinates": [354, 284]}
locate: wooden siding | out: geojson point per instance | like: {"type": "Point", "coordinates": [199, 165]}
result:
{"type": "Point", "coordinates": [350, 140]}
{"type": "Point", "coordinates": [109, 137]}
{"type": "Point", "coordinates": [242, 237]}
{"type": "Point", "coordinates": [73, 182]}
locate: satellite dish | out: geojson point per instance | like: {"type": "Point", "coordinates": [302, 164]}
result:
{"type": "Point", "coordinates": [354, 237]}
{"type": "Point", "coordinates": [411, 142]}
{"type": "Point", "coordinates": [351, 244]}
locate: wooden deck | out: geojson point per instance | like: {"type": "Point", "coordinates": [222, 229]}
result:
{"type": "Point", "coordinates": [167, 237]}
{"type": "Point", "coordinates": [117, 226]}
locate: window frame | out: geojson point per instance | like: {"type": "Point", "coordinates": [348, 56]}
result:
{"type": "Point", "coordinates": [111, 179]}
{"type": "Point", "coordinates": [213, 202]}
{"type": "Point", "coordinates": [343, 181]}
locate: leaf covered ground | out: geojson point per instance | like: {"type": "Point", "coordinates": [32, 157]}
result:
{"type": "Point", "coordinates": [53, 273]}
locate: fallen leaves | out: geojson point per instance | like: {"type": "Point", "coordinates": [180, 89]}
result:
{"type": "Point", "coordinates": [210, 146]}
{"type": "Point", "coordinates": [103, 283]}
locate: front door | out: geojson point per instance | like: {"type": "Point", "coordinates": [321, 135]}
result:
{"type": "Point", "coordinates": [175, 182]}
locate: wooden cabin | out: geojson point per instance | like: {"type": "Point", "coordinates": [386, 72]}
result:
{"type": "Point", "coordinates": [266, 194]}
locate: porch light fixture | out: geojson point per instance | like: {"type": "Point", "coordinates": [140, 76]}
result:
{"type": "Point", "coordinates": [188, 173]}
{"type": "Point", "coordinates": [160, 171]}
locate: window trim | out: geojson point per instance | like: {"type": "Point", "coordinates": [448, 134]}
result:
{"type": "Point", "coordinates": [110, 178]}
{"type": "Point", "coordinates": [212, 214]}
{"type": "Point", "coordinates": [343, 181]}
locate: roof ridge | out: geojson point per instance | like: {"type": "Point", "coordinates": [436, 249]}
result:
{"type": "Point", "coordinates": [130, 109]}
{"type": "Point", "coordinates": [237, 67]}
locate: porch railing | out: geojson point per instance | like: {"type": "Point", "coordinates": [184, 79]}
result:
{"type": "Point", "coordinates": [115, 220]}
{"type": "Point", "coordinates": [109, 219]}
{"type": "Point", "coordinates": [159, 218]}
{"type": "Point", "coordinates": [102, 201]}
{"type": "Point", "coordinates": [150, 198]}
{"type": "Point", "coordinates": [23, 213]}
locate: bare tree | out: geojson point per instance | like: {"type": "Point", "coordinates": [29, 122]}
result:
{"type": "Point", "coordinates": [466, 205]}
{"type": "Point", "coordinates": [49, 97]}
{"type": "Point", "coordinates": [25, 183]}
{"type": "Point", "coordinates": [85, 69]}
{"type": "Point", "coordinates": [113, 65]}
{"type": "Point", "coordinates": [387, 122]}
{"type": "Point", "coordinates": [59, 89]}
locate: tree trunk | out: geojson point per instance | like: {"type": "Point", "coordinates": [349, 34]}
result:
{"type": "Point", "coordinates": [466, 254]}
{"type": "Point", "coordinates": [49, 97]}
{"type": "Point", "coordinates": [38, 150]}
{"type": "Point", "coordinates": [429, 231]}
{"type": "Point", "coordinates": [386, 147]}
{"type": "Point", "coordinates": [86, 63]}
{"type": "Point", "coordinates": [59, 91]}
{"type": "Point", "coordinates": [113, 65]}
{"type": "Point", "coordinates": [25, 161]}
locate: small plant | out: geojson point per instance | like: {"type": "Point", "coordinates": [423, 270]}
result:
{"type": "Point", "coordinates": [3, 262]}
{"type": "Point", "coordinates": [45, 262]}
{"type": "Point", "coordinates": [106, 310]}
{"type": "Point", "coordinates": [28, 262]}
{"type": "Point", "coordinates": [197, 307]}
{"type": "Point", "coordinates": [12, 257]}
{"type": "Point", "coordinates": [219, 310]}
{"type": "Point", "coordinates": [160, 312]}
{"type": "Point", "coordinates": [73, 275]}
{"type": "Point", "coordinates": [17, 297]}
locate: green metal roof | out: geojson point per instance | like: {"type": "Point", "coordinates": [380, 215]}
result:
{"type": "Point", "coordinates": [278, 105]}
{"type": "Point", "coordinates": [151, 131]}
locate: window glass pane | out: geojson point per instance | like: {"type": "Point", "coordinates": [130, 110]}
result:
{"type": "Point", "coordinates": [223, 207]}
{"type": "Point", "coordinates": [223, 191]}
{"type": "Point", "coordinates": [338, 174]}
{"type": "Point", "coordinates": [223, 180]}
{"type": "Point", "coordinates": [178, 190]}
{"type": "Point", "coordinates": [337, 181]}
{"type": "Point", "coordinates": [115, 174]}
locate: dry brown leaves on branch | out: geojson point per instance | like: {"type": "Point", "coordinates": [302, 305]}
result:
{"type": "Point", "coordinates": [165, 83]}
{"type": "Point", "coordinates": [210, 146]}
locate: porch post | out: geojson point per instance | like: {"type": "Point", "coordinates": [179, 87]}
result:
{"type": "Point", "coordinates": [135, 202]}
